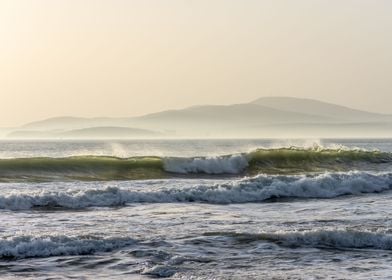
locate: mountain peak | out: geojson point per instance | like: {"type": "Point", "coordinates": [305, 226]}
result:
{"type": "Point", "coordinates": [285, 99]}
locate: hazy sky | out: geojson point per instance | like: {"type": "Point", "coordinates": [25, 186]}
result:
{"type": "Point", "coordinates": [130, 57]}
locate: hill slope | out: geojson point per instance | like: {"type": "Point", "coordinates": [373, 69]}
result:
{"type": "Point", "coordinates": [264, 117]}
{"type": "Point", "coordinates": [69, 123]}
{"type": "Point", "coordinates": [311, 106]}
{"type": "Point", "coordinates": [87, 133]}
{"type": "Point", "coordinates": [237, 113]}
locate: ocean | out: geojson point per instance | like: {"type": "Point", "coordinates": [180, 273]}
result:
{"type": "Point", "coordinates": [196, 209]}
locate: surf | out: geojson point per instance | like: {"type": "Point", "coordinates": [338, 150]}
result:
{"type": "Point", "coordinates": [290, 160]}
{"type": "Point", "coordinates": [261, 188]}
{"type": "Point", "coordinates": [322, 239]}
{"type": "Point", "coordinates": [30, 246]}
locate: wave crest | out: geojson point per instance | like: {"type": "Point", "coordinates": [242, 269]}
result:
{"type": "Point", "coordinates": [254, 189]}
{"type": "Point", "coordinates": [272, 161]}
{"type": "Point", "coordinates": [59, 245]}
{"type": "Point", "coordinates": [233, 164]}
{"type": "Point", "coordinates": [337, 239]}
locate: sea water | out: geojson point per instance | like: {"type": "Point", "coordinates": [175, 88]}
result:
{"type": "Point", "coordinates": [208, 219]}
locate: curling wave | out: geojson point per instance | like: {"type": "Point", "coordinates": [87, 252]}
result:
{"type": "Point", "coordinates": [254, 189]}
{"type": "Point", "coordinates": [270, 161]}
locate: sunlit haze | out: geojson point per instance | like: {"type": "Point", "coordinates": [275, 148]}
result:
{"type": "Point", "coordinates": [126, 58]}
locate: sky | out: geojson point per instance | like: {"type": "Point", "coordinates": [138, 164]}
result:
{"type": "Point", "coordinates": [120, 58]}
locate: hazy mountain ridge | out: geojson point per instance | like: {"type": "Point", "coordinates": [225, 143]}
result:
{"type": "Point", "coordinates": [263, 117]}
{"type": "Point", "coordinates": [87, 133]}
{"type": "Point", "coordinates": [311, 106]}
{"type": "Point", "coordinates": [236, 112]}
{"type": "Point", "coordinates": [67, 123]}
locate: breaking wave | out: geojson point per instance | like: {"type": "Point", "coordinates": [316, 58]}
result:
{"type": "Point", "coordinates": [271, 161]}
{"type": "Point", "coordinates": [58, 245]}
{"type": "Point", "coordinates": [254, 189]}
{"type": "Point", "coordinates": [233, 164]}
{"type": "Point", "coordinates": [337, 239]}
{"type": "Point", "coordinates": [29, 246]}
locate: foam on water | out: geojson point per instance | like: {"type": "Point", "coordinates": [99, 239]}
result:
{"type": "Point", "coordinates": [28, 246]}
{"type": "Point", "coordinates": [338, 238]}
{"type": "Point", "coordinates": [254, 189]}
{"type": "Point", "coordinates": [233, 164]}
{"type": "Point", "coordinates": [173, 221]}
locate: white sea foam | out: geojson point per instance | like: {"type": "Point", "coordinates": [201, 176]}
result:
{"type": "Point", "coordinates": [58, 245]}
{"type": "Point", "coordinates": [159, 271]}
{"type": "Point", "coordinates": [255, 189]}
{"type": "Point", "coordinates": [233, 164]}
{"type": "Point", "coordinates": [333, 238]}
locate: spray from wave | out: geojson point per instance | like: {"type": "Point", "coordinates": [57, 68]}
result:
{"type": "Point", "coordinates": [233, 164]}
{"type": "Point", "coordinates": [271, 161]}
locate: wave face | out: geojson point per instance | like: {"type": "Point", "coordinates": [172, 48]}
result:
{"type": "Point", "coordinates": [81, 168]}
{"type": "Point", "coordinates": [297, 160]}
{"type": "Point", "coordinates": [337, 239]}
{"type": "Point", "coordinates": [271, 161]}
{"type": "Point", "coordinates": [254, 189]}
{"type": "Point", "coordinates": [59, 245]}
{"type": "Point", "coordinates": [233, 164]}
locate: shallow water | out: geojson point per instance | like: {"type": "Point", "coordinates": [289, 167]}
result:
{"type": "Point", "coordinates": [334, 225]}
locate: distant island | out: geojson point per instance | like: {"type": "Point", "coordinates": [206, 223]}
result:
{"type": "Point", "coordinates": [86, 133]}
{"type": "Point", "coordinates": [266, 117]}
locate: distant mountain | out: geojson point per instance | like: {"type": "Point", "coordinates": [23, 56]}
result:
{"type": "Point", "coordinates": [87, 133]}
{"type": "Point", "coordinates": [315, 107]}
{"type": "Point", "coordinates": [109, 132]}
{"type": "Point", "coordinates": [264, 117]}
{"type": "Point", "coordinates": [199, 116]}
{"type": "Point", "coordinates": [68, 123]}
{"type": "Point", "coordinates": [248, 113]}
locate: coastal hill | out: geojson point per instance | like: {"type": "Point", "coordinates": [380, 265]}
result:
{"type": "Point", "coordinates": [315, 107]}
{"type": "Point", "coordinates": [264, 117]}
{"type": "Point", "coordinates": [86, 133]}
